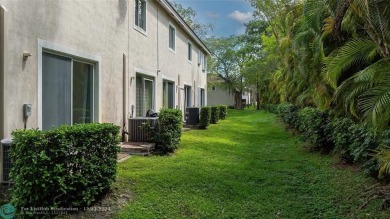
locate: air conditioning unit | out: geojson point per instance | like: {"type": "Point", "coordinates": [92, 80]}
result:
{"type": "Point", "coordinates": [5, 160]}
{"type": "Point", "coordinates": [192, 115]}
{"type": "Point", "coordinates": [141, 129]}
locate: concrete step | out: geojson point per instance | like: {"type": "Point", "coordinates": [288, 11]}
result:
{"type": "Point", "coordinates": [122, 157]}
{"type": "Point", "coordinates": [136, 148]}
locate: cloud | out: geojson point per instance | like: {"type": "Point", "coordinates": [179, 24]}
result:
{"type": "Point", "coordinates": [211, 14]}
{"type": "Point", "coordinates": [241, 17]}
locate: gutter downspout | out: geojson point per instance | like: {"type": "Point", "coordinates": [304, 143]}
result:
{"type": "Point", "coordinates": [3, 70]}
{"type": "Point", "coordinates": [158, 39]}
{"type": "Point", "coordinates": [124, 136]}
{"type": "Point", "coordinates": [126, 83]}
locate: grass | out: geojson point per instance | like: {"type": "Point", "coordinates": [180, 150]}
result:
{"type": "Point", "coordinates": [247, 166]}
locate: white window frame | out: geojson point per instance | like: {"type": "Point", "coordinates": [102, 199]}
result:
{"type": "Point", "coordinates": [173, 94]}
{"type": "Point", "coordinates": [80, 56]}
{"type": "Point", "coordinates": [170, 25]}
{"type": "Point", "coordinates": [137, 27]}
{"type": "Point", "coordinates": [189, 52]}
{"type": "Point", "coordinates": [203, 62]}
{"type": "Point", "coordinates": [202, 101]}
{"type": "Point", "coordinates": [146, 77]}
{"type": "Point", "coordinates": [199, 57]}
{"type": "Point", "coordinates": [190, 92]}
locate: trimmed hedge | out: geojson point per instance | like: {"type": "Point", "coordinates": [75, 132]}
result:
{"type": "Point", "coordinates": [341, 137]}
{"type": "Point", "coordinates": [326, 132]}
{"type": "Point", "coordinates": [205, 115]}
{"type": "Point", "coordinates": [214, 115]}
{"type": "Point", "coordinates": [312, 123]}
{"type": "Point", "coordinates": [170, 126]}
{"type": "Point", "coordinates": [288, 112]}
{"type": "Point", "coordinates": [272, 108]}
{"type": "Point", "coordinates": [71, 166]}
{"type": "Point", "coordinates": [222, 112]}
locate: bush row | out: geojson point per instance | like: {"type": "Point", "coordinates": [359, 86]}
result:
{"type": "Point", "coordinates": [71, 166]}
{"type": "Point", "coordinates": [329, 133]}
{"type": "Point", "coordinates": [211, 115]}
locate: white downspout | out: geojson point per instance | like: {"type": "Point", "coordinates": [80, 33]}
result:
{"type": "Point", "coordinates": [3, 69]}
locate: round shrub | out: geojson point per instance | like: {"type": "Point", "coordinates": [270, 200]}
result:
{"type": "Point", "coordinates": [222, 111]}
{"type": "Point", "coordinates": [168, 136]}
{"type": "Point", "coordinates": [205, 115]}
{"type": "Point", "coordinates": [214, 115]}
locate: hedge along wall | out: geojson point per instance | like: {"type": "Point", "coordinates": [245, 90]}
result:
{"type": "Point", "coordinates": [71, 166]}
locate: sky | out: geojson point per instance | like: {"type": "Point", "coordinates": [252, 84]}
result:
{"type": "Point", "coordinates": [227, 16]}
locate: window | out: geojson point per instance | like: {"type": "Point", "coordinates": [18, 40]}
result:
{"type": "Point", "coordinates": [140, 14]}
{"type": "Point", "coordinates": [204, 63]}
{"type": "Point", "coordinates": [168, 94]}
{"type": "Point", "coordinates": [144, 95]}
{"type": "Point", "coordinates": [172, 38]}
{"type": "Point", "coordinates": [187, 97]}
{"type": "Point", "coordinates": [202, 97]}
{"type": "Point", "coordinates": [199, 57]}
{"type": "Point", "coordinates": [189, 51]}
{"type": "Point", "coordinates": [67, 91]}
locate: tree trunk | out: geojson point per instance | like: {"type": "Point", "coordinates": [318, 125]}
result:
{"type": "Point", "coordinates": [341, 9]}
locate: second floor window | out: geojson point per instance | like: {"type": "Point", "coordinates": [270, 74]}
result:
{"type": "Point", "coordinates": [140, 14]}
{"type": "Point", "coordinates": [172, 37]}
{"type": "Point", "coordinates": [189, 51]}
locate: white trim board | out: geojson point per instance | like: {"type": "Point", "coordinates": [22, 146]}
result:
{"type": "Point", "coordinates": [60, 49]}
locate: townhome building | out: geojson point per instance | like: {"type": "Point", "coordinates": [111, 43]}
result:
{"type": "Point", "coordinates": [82, 61]}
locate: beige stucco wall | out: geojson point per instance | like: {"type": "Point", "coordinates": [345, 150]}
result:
{"type": "Point", "coordinates": [159, 61]}
{"type": "Point", "coordinates": [102, 28]}
{"type": "Point", "coordinates": [220, 95]}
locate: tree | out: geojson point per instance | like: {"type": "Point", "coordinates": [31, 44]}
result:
{"type": "Point", "coordinates": [189, 16]}
{"type": "Point", "coordinates": [226, 63]}
{"type": "Point", "coordinates": [253, 57]}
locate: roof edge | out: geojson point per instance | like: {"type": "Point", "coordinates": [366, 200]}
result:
{"type": "Point", "coordinates": [171, 10]}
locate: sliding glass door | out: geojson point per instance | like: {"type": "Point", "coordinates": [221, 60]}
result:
{"type": "Point", "coordinates": [67, 91]}
{"type": "Point", "coordinates": [168, 95]}
{"type": "Point", "coordinates": [202, 97]}
{"type": "Point", "coordinates": [144, 95]}
{"type": "Point", "coordinates": [187, 97]}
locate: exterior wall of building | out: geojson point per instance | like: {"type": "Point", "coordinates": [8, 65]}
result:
{"type": "Point", "coordinates": [247, 97]}
{"type": "Point", "coordinates": [3, 17]}
{"type": "Point", "coordinates": [86, 28]}
{"type": "Point", "coordinates": [100, 32]}
{"type": "Point", "coordinates": [157, 61]}
{"type": "Point", "coordinates": [220, 95]}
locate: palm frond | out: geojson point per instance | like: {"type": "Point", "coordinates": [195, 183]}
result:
{"type": "Point", "coordinates": [354, 52]}
{"type": "Point", "coordinates": [383, 158]}
{"type": "Point", "coordinates": [367, 93]}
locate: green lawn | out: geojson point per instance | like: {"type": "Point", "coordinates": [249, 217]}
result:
{"type": "Point", "coordinates": [247, 166]}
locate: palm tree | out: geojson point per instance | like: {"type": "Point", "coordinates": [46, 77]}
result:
{"type": "Point", "coordinates": [359, 70]}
